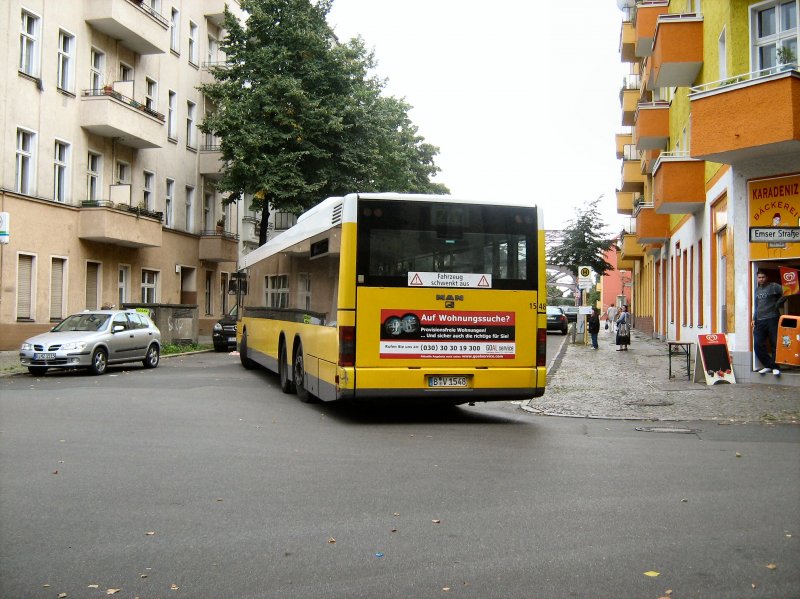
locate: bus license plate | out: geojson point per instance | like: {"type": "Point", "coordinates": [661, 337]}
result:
{"type": "Point", "coordinates": [447, 381]}
{"type": "Point", "coordinates": [44, 356]}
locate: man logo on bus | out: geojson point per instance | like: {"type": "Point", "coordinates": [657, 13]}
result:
{"type": "Point", "coordinates": [393, 326]}
{"type": "Point", "coordinates": [409, 324]}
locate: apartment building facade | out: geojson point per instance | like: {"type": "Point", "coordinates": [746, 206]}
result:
{"type": "Point", "coordinates": [710, 173]}
{"type": "Point", "coordinates": [107, 184]}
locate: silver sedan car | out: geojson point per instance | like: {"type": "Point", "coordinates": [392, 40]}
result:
{"type": "Point", "coordinates": [94, 339]}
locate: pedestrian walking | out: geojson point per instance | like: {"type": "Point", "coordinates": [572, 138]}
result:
{"type": "Point", "coordinates": [623, 339]}
{"type": "Point", "coordinates": [611, 316]}
{"type": "Point", "coordinates": [594, 326]}
{"type": "Point", "coordinates": [769, 298]}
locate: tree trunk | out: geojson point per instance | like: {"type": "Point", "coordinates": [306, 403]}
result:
{"type": "Point", "coordinates": [262, 233]}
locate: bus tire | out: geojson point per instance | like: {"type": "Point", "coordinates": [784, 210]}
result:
{"type": "Point", "coordinates": [284, 372]}
{"type": "Point", "coordinates": [246, 362]}
{"type": "Point", "coordinates": [299, 371]}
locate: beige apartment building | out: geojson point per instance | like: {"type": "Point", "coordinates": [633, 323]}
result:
{"type": "Point", "coordinates": [107, 187]}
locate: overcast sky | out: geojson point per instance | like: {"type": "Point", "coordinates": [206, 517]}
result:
{"type": "Point", "coordinates": [520, 96]}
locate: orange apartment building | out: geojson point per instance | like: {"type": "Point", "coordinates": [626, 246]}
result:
{"type": "Point", "coordinates": [710, 174]}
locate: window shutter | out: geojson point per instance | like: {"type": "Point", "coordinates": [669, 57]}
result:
{"type": "Point", "coordinates": [24, 285]}
{"type": "Point", "coordinates": [92, 270]}
{"type": "Point", "coordinates": [57, 289]}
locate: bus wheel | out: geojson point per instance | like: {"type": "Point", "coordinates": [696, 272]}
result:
{"type": "Point", "coordinates": [287, 384]}
{"type": "Point", "coordinates": [300, 376]}
{"type": "Point", "coordinates": [246, 362]}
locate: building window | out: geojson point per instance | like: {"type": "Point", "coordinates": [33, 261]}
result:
{"type": "Point", "coordinates": [774, 26]}
{"type": "Point", "coordinates": [123, 173]}
{"type": "Point", "coordinates": [66, 49]}
{"type": "Point", "coordinates": [60, 171]}
{"type": "Point", "coordinates": [208, 212]}
{"type": "Point", "coordinates": [147, 190]}
{"type": "Point", "coordinates": [189, 209]}
{"type": "Point", "coordinates": [192, 43]}
{"type": "Point", "coordinates": [25, 161]}
{"type": "Point", "coordinates": [151, 94]}
{"type": "Point", "coordinates": [191, 142]}
{"type": "Point", "coordinates": [92, 285]}
{"type": "Point", "coordinates": [57, 272]}
{"type": "Point", "coordinates": [211, 55]}
{"type": "Point", "coordinates": [93, 174]}
{"type": "Point", "coordinates": [29, 44]}
{"type": "Point", "coordinates": [175, 31]}
{"type": "Point", "coordinates": [278, 291]}
{"type": "Point", "coordinates": [125, 72]}
{"type": "Point", "coordinates": [123, 278]}
{"type": "Point", "coordinates": [25, 279]}
{"type": "Point", "coordinates": [168, 202]}
{"type": "Point", "coordinates": [149, 286]}
{"type": "Point", "coordinates": [96, 65]}
{"type": "Point", "coordinates": [172, 124]}
{"type": "Point", "coordinates": [208, 292]}
{"type": "Point", "coordinates": [304, 290]}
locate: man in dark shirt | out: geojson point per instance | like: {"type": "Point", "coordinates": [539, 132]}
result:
{"type": "Point", "coordinates": [769, 298]}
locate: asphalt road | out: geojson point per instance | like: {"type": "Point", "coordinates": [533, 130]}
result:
{"type": "Point", "coordinates": [200, 479]}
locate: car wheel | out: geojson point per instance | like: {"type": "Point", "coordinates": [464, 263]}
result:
{"type": "Point", "coordinates": [37, 370]}
{"type": "Point", "coordinates": [287, 384]}
{"type": "Point", "coordinates": [99, 361]}
{"type": "Point", "coordinates": [246, 362]}
{"type": "Point", "coordinates": [299, 370]}
{"type": "Point", "coordinates": [564, 330]}
{"type": "Point", "coordinates": [152, 356]}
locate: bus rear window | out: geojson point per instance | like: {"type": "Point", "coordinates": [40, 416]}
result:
{"type": "Point", "coordinates": [398, 237]}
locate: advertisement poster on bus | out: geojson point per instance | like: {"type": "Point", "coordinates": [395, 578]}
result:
{"type": "Point", "coordinates": [439, 334]}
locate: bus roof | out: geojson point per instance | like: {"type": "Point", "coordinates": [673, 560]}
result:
{"type": "Point", "coordinates": [335, 210]}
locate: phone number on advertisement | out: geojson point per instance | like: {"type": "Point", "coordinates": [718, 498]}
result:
{"type": "Point", "coordinates": [450, 348]}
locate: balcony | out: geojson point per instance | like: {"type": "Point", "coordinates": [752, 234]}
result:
{"type": "Point", "coordinates": [218, 246]}
{"type": "Point", "coordinates": [647, 13]}
{"type": "Point", "coordinates": [677, 51]}
{"type": "Point", "coordinates": [250, 229]}
{"type": "Point", "coordinates": [748, 117]}
{"type": "Point", "coordinates": [627, 42]}
{"type": "Point", "coordinates": [628, 98]}
{"type": "Point", "coordinates": [632, 178]}
{"type": "Point", "coordinates": [678, 184]}
{"type": "Point", "coordinates": [214, 10]}
{"type": "Point", "coordinates": [108, 113]}
{"type": "Point", "coordinates": [651, 131]}
{"type": "Point", "coordinates": [631, 248]}
{"type": "Point", "coordinates": [622, 140]}
{"type": "Point", "coordinates": [132, 22]}
{"type": "Point", "coordinates": [209, 161]}
{"type": "Point", "coordinates": [650, 226]}
{"type": "Point", "coordinates": [625, 202]}
{"type": "Point", "coordinates": [117, 222]}
{"type": "Point", "coordinates": [649, 158]}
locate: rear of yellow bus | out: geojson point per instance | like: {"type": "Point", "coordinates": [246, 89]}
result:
{"type": "Point", "coordinates": [445, 301]}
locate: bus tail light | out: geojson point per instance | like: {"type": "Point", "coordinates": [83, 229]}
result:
{"type": "Point", "coordinates": [541, 348]}
{"type": "Point", "coordinates": [347, 346]}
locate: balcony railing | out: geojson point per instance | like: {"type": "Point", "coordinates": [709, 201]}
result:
{"type": "Point", "coordinates": [217, 233]}
{"type": "Point", "coordinates": [108, 91]}
{"type": "Point", "coordinates": [751, 76]}
{"type": "Point", "coordinates": [139, 211]}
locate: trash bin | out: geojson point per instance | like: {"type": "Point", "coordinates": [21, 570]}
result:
{"type": "Point", "coordinates": [788, 350]}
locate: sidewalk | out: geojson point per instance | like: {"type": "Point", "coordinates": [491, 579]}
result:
{"type": "Point", "coordinates": [604, 383]}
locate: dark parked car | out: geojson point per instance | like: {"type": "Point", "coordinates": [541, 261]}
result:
{"type": "Point", "coordinates": [224, 333]}
{"type": "Point", "coordinates": [556, 320]}
{"type": "Point", "coordinates": [571, 312]}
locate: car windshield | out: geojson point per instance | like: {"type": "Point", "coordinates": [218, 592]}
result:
{"type": "Point", "coordinates": [82, 322]}
{"type": "Point", "coordinates": [553, 310]}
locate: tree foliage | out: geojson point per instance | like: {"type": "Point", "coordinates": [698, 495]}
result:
{"type": "Point", "coordinates": [584, 242]}
{"type": "Point", "coordinates": [300, 118]}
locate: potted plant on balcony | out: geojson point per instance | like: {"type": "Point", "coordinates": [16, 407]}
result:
{"type": "Point", "coordinates": [786, 58]}
{"type": "Point", "coordinates": [221, 225]}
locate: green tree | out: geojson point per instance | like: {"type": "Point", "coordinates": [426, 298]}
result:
{"type": "Point", "coordinates": [584, 242]}
{"type": "Point", "coordinates": [299, 117]}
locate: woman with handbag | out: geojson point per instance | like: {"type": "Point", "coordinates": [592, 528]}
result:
{"type": "Point", "coordinates": [623, 339]}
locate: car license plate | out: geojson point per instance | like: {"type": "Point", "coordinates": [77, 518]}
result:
{"type": "Point", "coordinates": [447, 381]}
{"type": "Point", "coordinates": [50, 356]}
{"type": "Point", "coordinates": [231, 339]}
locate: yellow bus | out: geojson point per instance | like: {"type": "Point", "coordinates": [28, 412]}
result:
{"type": "Point", "coordinates": [378, 295]}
